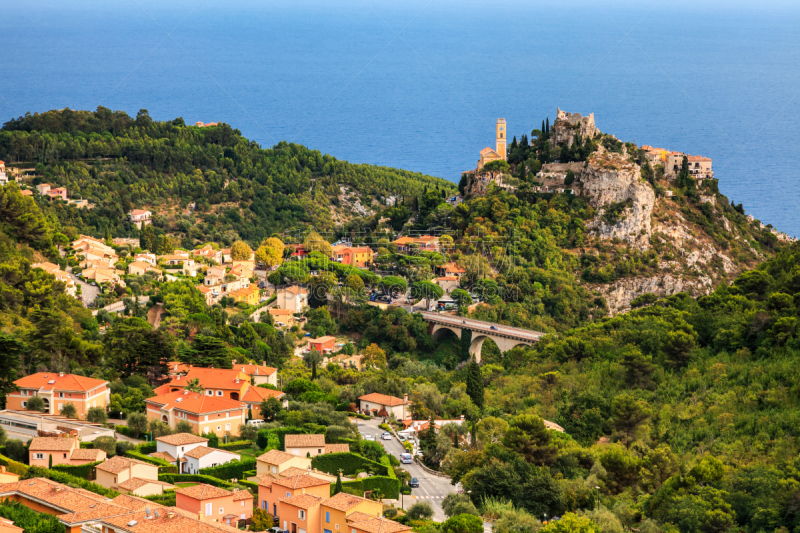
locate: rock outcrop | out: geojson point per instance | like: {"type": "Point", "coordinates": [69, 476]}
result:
{"type": "Point", "coordinates": [621, 293]}
{"type": "Point", "coordinates": [612, 183]}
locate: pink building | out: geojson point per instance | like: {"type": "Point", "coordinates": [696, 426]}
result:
{"type": "Point", "coordinates": [214, 504]}
{"type": "Point", "coordinates": [63, 450]}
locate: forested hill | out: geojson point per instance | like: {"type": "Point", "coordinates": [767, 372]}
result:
{"type": "Point", "coordinates": [119, 163]}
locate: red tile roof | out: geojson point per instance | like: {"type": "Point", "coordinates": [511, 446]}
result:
{"type": "Point", "coordinates": [303, 501]}
{"type": "Point", "coordinates": [259, 394]}
{"type": "Point", "coordinates": [55, 381]}
{"type": "Point", "coordinates": [194, 402]}
{"type": "Point", "coordinates": [344, 501]}
{"type": "Point", "coordinates": [203, 492]}
{"type": "Point", "coordinates": [381, 399]}
{"type": "Point", "coordinates": [181, 439]}
{"type": "Point", "coordinates": [52, 444]}
{"type": "Point", "coordinates": [212, 378]}
{"type": "Point", "coordinates": [300, 482]}
{"type": "Point", "coordinates": [304, 441]}
{"type": "Point", "coordinates": [276, 457]}
{"type": "Point", "coordinates": [255, 370]}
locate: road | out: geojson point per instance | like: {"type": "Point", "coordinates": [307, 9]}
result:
{"type": "Point", "coordinates": [432, 488]}
{"type": "Point", "coordinates": [481, 326]}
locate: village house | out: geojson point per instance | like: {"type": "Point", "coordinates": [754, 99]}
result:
{"type": "Point", "coordinates": [172, 448]}
{"type": "Point", "coordinates": [209, 253]}
{"type": "Point", "coordinates": [345, 361]}
{"type": "Point", "coordinates": [275, 462]}
{"type": "Point", "coordinates": [208, 294]}
{"type": "Point", "coordinates": [311, 445]}
{"type": "Point", "coordinates": [58, 192]}
{"type": "Point", "coordinates": [6, 476]}
{"type": "Point", "coordinates": [357, 256]}
{"type": "Point", "coordinates": [249, 295]}
{"type": "Point", "coordinates": [383, 405]}
{"type": "Point", "coordinates": [283, 317]}
{"type": "Point", "coordinates": [447, 283]}
{"type": "Point", "coordinates": [61, 451]}
{"type": "Point", "coordinates": [43, 188]}
{"type": "Point", "coordinates": [205, 457]}
{"type": "Point", "coordinates": [424, 243]}
{"type": "Point", "coordinates": [271, 492]}
{"type": "Point", "coordinates": [140, 217]}
{"type": "Point", "coordinates": [26, 192]}
{"type": "Point", "coordinates": [361, 523]}
{"type": "Point", "coordinates": [150, 259]}
{"type": "Point", "coordinates": [253, 397]}
{"type": "Point", "coordinates": [220, 382]}
{"type": "Point", "coordinates": [294, 298]}
{"type": "Point", "coordinates": [297, 250]}
{"type": "Point", "coordinates": [337, 511]}
{"type": "Point", "coordinates": [214, 504]}
{"type": "Point", "coordinates": [323, 345]}
{"type": "Point", "coordinates": [102, 275]}
{"type": "Point", "coordinates": [140, 268]}
{"type": "Point", "coordinates": [3, 175]}
{"type": "Point", "coordinates": [259, 374]}
{"type": "Point", "coordinates": [448, 269]}
{"type": "Point", "coordinates": [55, 271]}
{"type": "Point", "coordinates": [130, 476]}
{"type": "Point", "coordinates": [205, 413]}
{"type": "Point", "coordinates": [59, 389]}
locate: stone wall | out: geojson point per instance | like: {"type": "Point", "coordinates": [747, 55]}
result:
{"type": "Point", "coordinates": [567, 125]}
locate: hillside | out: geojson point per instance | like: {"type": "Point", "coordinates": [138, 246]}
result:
{"type": "Point", "coordinates": [239, 190]}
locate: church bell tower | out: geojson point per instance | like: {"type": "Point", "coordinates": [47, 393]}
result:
{"type": "Point", "coordinates": [501, 141]}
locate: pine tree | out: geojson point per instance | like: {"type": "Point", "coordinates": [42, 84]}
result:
{"type": "Point", "coordinates": [547, 125]}
{"type": "Point", "coordinates": [475, 384]}
{"type": "Point", "coordinates": [544, 131]}
{"type": "Point", "coordinates": [337, 488]}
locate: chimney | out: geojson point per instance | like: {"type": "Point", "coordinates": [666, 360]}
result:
{"type": "Point", "coordinates": [61, 374]}
{"type": "Point", "coordinates": [176, 367]}
{"type": "Point", "coordinates": [200, 515]}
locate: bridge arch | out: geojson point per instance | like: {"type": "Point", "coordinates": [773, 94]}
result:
{"type": "Point", "coordinates": [439, 332]}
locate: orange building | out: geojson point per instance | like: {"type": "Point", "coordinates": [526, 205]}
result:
{"type": "Point", "coordinates": [249, 295]}
{"type": "Point", "coordinates": [63, 450]}
{"type": "Point", "coordinates": [335, 512]}
{"type": "Point", "coordinates": [323, 345]}
{"type": "Point", "coordinates": [59, 389]}
{"type": "Point", "coordinates": [358, 256]}
{"type": "Point", "coordinates": [300, 514]}
{"type": "Point", "coordinates": [205, 413]}
{"type": "Point", "coordinates": [217, 382]}
{"type": "Point", "coordinates": [215, 504]}
{"type": "Point", "coordinates": [255, 395]}
{"type": "Point", "coordinates": [272, 491]}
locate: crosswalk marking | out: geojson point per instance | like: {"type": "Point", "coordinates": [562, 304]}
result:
{"type": "Point", "coordinates": [429, 497]}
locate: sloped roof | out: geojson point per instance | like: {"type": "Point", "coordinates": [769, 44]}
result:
{"type": "Point", "coordinates": [259, 394]}
{"type": "Point", "coordinates": [87, 454]}
{"type": "Point", "coordinates": [52, 444]}
{"type": "Point", "coordinates": [163, 455]}
{"type": "Point", "coordinates": [67, 382]}
{"type": "Point", "coordinates": [382, 399]}
{"type": "Point", "coordinates": [303, 501]}
{"type": "Point", "coordinates": [118, 463]}
{"type": "Point", "coordinates": [304, 441]}
{"type": "Point", "coordinates": [203, 492]}
{"type": "Point", "coordinates": [194, 402]}
{"type": "Point", "coordinates": [212, 378]}
{"type": "Point", "coordinates": [343, 501]}
{"type": "Point", "coordinates": [257, 370]}
{"type": "Point", "coordinates": [276, 457]}
{"type": "Point", "coordinates": [300, 482]}
{"type": "Point", "coordinates": [337, 448]}
{"type": "Point", "coordinates": [180, 439]}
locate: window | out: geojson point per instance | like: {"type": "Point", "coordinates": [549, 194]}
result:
{"type": "Point", "coordinates": [301, 514]}
{"type": "Point", "coordinates": [205, 430]}
{"type": "Point", "coordinates": [209, 393]}
{"type": "Point", "coordinates": [60, 394]}
{"type": "Point", "coordinates": [65, 456]}
{"type": "Point", "coordinates": [219, 393]}
{"type": "Point", "coordinates": [219, 428]}
{"type": "Point", "coordinates": [274, 469]}
{"type": "Point", "coordinates": [210, 510]}
{"type": "Point", "coordinates": [319, 450]}
{"type": "Point", "coordinates": [24, 404]}
{"type": "Point", "coordinates": [328, 517]}
{"type": "Point", "coordinates": [40, 456]}
{"type": "Point", "coordinates": [227, 427]}
{"type": "Point", "coordinates": [206, 418]}
{"type": "Point", "coordinates": [288, 494]}
{"type": "Point", "coordinates": [264, 504]}
{"type": "Point", "coordinates": [336, 526]}
{"type": "Point", "coordinates": [221, 510]}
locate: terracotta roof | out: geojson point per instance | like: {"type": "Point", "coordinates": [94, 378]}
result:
{"type": "Point", "coordinates": [259, 394]}
{"type": "Point", "coordinates": [118, 463]}
{"type": "Point", "coordinates": [337, 448]}
{"type": "Point", "coordinates": [358, 516]}
{"type": "Point", "coordinates": [178, 367]}
{"type": "Point", "coordinates": [170, 520]}
{"type": "Point", "coordinates": [67, 382]}
{"type": "Point", "coordinates": [134, 503]}
{"type": "Point", "coordinates": [279, 312]}
{"type": "Point", "coordinates": [276, 457]}
{"type": "Point", "coordinates": [163, 455]}
{"type": "Point", "coordinates": [255, 370]}
{"type": "Point", "coordinates": [265, 480]}
{"type": "Point", "coordinates": [379, 525]}
{"type": "Point", "coordinates": [295, 289]}
{"type": "Point", "coordinates": [62, 498]}
{"type": "Point", "coordinates": [87, 454]}
{"type": "Point", "coordinates": [200, 451]}
{"type": "Point", "coordinates": [303, 501]}
{"type": "Point", "coordinates": [240, 495]}
{"type": "Point", "coordinates": [179, 439]}
{"type": "Point", "coordinates": [304, 441]}
{"type": "Point", "coordinates": [139, 212]}
{"type": "Point", "coordinates": [212, 378]}
{"type": "Point", "coordinates": [203, 492]}
{"type": "Point", "coordinates": [137, 482]}
{"type": "Point", "coordinates": [293, 471]}
{"type": "Point", "coordinates": [322, 339]}
{"type": "Point", "coordinates": [52, 444]}
{"type": "Point", "coordinates": [447, 278]}
{"type": "Point", "coordinates": [343, 501]}
{"type": "Point", "coordinates": [300, 482]}
{"type": "Point", "coordinates": [382, 399]}
{"type": "Point", "coordinates": [194, 402]}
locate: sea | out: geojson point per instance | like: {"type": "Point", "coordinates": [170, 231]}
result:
{"type": "Point", "coordinates": [419, 84]}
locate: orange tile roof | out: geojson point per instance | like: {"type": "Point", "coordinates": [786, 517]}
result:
{"type": "Point", "coordinates": [137, 482]}
{"type": "Point", "coordinates": [303, 501]}
{"type": "Point", "coordinates": [240, 495]}
{"type": "Point", "coordinates": [304, 441]}
{"type": "Point", "coordinates": [180, 439]}
{"type": "Point", "coordinates": [300, 482]}
{"type": "Point", "coordinates": [87, 454]}
{"type": "Point", "coordinates": [52, 444]}
{"type": "Point", "coordinates": [358, 516]}
{"type": "Point", "coordinates": [200, 451]}
{"type": "Point", "coordinates": [295, 289]}
{"type": "Point", "coordinates": [275, 311]}
{"type": "Point", "coordinates": [381, 399]}
{"type": "Point", "coordinates": [194, 402]}
{"type": "Point", "coordinates": [259, 394]}
{"type": "Point", "coordinates": [134, 503]}
{"type": "Point", "coordinates": [257, 370]}
{"type": "Point", "coordinates": [62, 498]}
{"type": "Point", "coordinates": [447, 278]}
{"type": "Point", "coordinates": [276, 457]}
{"type": "Point", "coordinates": [163, 455]}
{"type": "Point", "coordinates": [212, 378]}
{"type": "Point", "coordinates": [344, 501]}
{"type": "Point", "coordinates": [322, 339]}
{"type": "Point", "coordinates": [67, 382]}
{"type": "Point", "coordinates": [294, 471]}
{"type": "Point", "coordinates": [337, 448]}
{"type": "Point", "coordinates": [379, 525]}
{"type": "Point", "coordinates": [203, 492]}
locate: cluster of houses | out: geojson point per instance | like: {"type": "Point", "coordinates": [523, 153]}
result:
{"type": "Point", "coordinates": [699, 166]}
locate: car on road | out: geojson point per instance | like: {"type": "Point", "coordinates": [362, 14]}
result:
{"type": "Point", "coordinates": [406, 458]}
{"type": "Point", "coordinates": [369, 437]}
{"type": "Point", "coordinates": [413, 483]}
{"type": "Point", "coordinates": [493, 327]}
{"type": "Point", "coordinates": [386, 436]}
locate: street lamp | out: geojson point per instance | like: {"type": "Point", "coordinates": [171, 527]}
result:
{"type": "Point", "coordinates": [597, 499]}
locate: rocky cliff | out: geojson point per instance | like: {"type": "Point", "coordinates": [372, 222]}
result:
{"type": "Point", "coordinates": [568, 125]}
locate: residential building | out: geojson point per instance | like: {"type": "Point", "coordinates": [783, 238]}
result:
{"type": "Point", "coordinates": [357, 256]}
{"type": "Point", "coordinates": [284, 316]}
{"type": "Point", "coordinates": [337, 511]}
{"type": "Point", "coordinates": [255, 395]}
{"type": "Point", "coordinates": [293, 297]}
{"type": "Point", "coordinates": [26, 192]}
{"type": "Point", "coordinates": [218, 382]}
{"type": "Point", "coordinates": [59, 389]}
{"type": "Point", "coordinates": [55, 271]}
{"type": "Point", "coordinates": [58, 192]}
{"type": "Point", "coordinates": [3, 175]}
{"type": "Point", "coordinates": [140, 217]}
{"type": "Point", "coordinates": [172, 448]}
{"type": "Point", "coordinates": [360, 523]}
{"type": "Point", "coordinates": [272, 491]}
{"type": "Point", "coordinates": [31, 424]}
{"type": "Point", "coordinates": [323, 345]}
{"type": "Point", "coordinates": [447, 283]}
{"type": "Point", "coordinates": [305, 445]}
{"type": "Point", "coordinates": [424, 243]}
{"type": "Point", "coordinates": [300, 513]}
{"type": "Point", "coordinates": [140, 268]}
{"type": "Point", "coordinates": [148, 258]}
{"type": "Point", "coordinates": [43, 188]}
{"type": "Point", "coordinates": [699, 166]}
{"type": "Point", "coordinates": [208, 293]}
{"type": "Point", "coordinates": [383, 405]}
{"type": "Point", "coordinates": [249, 295]}
{"type": "Point", "coordinates": [62, 451]}
{"type": "Point", "coordinates": [6, 525]}
{"type": "Point", "coordinates": [448, 269]}
{"type": "Point", "coordinates": [243, 268]}
{"type": "Point", "coordinates": [130, 476]}
{"type": "Point", "coordinates": [213, 504]}
{"type": "Point", "coordinates": [205, 457]}
{"type": "Point", "coordinates": [190, 268]}
{"type": "Point", "coordinates": [259, 374]}
{"type": "Point", "coordinates": [208, 252]}
{"type": "Point", "coordinates": [6, 476]}
{"type": "Point", "coordinates": [205, 413]}
{"type": "Point", "coordinates": [297, 250]}
{"type": "Point", "coordinates": [345, 361]}
{"type": "Point", "coordinates": [102, 275]}
{"type": "Point", "coordinates": [275, 462]}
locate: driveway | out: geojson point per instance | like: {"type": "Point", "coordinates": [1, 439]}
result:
{"type": "Point", "coordinates": [88, 291]}
{"type": "Point", "coordinates": [431, 488]}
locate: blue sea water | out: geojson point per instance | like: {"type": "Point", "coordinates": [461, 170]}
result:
{"type": "Point", "coordinates": [418, 84]}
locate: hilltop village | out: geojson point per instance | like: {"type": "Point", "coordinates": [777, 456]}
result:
{"type": "Point", "coordinates": [583, 335]}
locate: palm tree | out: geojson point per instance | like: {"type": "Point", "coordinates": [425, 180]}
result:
{"type": "Point", "coordinates": [194, 385]}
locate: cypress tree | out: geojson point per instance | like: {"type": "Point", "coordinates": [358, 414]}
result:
{"type": "Point", "coordinates": [544, 131]}
{"type": "Point", "coordinates": [548, 125]}
{"type": "Point", "coordinates": [337, 488]}
{"type": "Point", "coordinates": [475, 384]}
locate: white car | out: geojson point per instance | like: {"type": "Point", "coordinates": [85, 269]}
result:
{"type": "Point", "coordinates": [386, 436]}
{"type": "Point", "coordinates": [369, 437]}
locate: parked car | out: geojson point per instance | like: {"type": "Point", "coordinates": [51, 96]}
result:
{"type": "Point", "coordinates": [386, 436]}
{"type": "Point", "coordinates": [369, 437]}
{"type": "Point", "coordinates": [413, 483]}
{"type": "Point", "coordinates": [255, 422]}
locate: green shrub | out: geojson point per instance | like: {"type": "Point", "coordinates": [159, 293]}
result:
{"type": "Point", "coordinates": [30, 520]}
{"type": "Point", "coordinates": [234, 469]}
{"type": "Point", "coordinates": [236, 445]}
{"type": "Point", "coordinates": [15, 467]}
{"type": "Point", "coordinates": [163, 466]}
{"type": "Point", "coordinates": [150, 447]}
{"type": "Point", "coordinates": [167, 499]}
{"type": "Point", "coordinates": [83, 471]}
{"type": "Point", "coordinates": [349, 463]}
{"type": "Point", "coordinates": [388, 487]}
{"type": "Point", "coordinates": [68, 479]}
{"type": "Point", "coordinates": [384, 426]}
{"type": "Point", "coordinates": [195, 478]}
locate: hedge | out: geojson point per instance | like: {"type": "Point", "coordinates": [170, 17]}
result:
{"type": "Point", "coordinates": [388, 487]}
{"type": "Point", "coordinates": [69, 479]}
{"type": "Point", "coordinates": [348, 462]}
{"type": "Point", "coordinates": [163, 466]}
{"type": "Point", "coordinates": [263, 434]}
{"type": "Point", "coordinates": [146, 448]}
{"type": "Point", "coordinates": [28, 519]}
{"type": "Point", "coordinates": [236, 445]}
{"type": "Point", "coordinates": [250, 485]}
{"type": "Point", "coordinates": [359, 415]}
{"type": "Point", "coordinates": [83, 471]}
{"type": "Point", "coordinates": [209, 480]}
{"type": "Point", "coordinates": [234, 469]}
{"type": "Point", "coordinates": [386, 460]}
{"type": "Point", "coordinates": [13, 466]}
